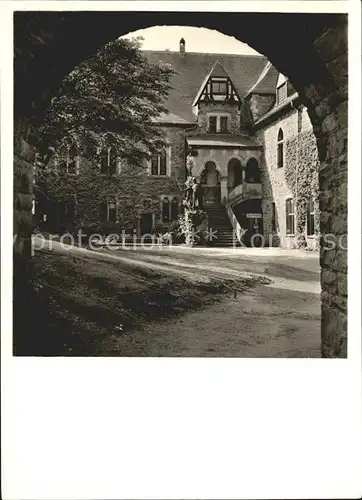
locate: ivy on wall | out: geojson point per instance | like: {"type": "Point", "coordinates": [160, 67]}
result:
{"type": "Point", "coordinates": [301, 174]}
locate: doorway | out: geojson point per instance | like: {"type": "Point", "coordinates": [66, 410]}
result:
{"type": "Point", "coordinates": [146, 223]}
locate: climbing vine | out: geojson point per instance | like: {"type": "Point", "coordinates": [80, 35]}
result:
{"type": "Point", "coordinates": [301, 174]}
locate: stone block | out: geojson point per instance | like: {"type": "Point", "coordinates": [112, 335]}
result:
{"type": "Point", "coordinates": [342, 284]}
{"type": "Point", "coordinates": [329, 123]}
{"type": "Point", "coordinates": [334, 332]}
{"type": "Point", "coordinates": [338, 68]}
{"type": "Point", "coordinates": [342, 114]}
{"type": "Point", "coordinates": [23, 201]}
{"type": "Point", "coordinates": [333, 43]}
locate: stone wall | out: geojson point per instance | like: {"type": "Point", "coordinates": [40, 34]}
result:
{"type": "Point", "coordinates": [215, 107]}
{"type": "Point", "coordinates": [274, 182]}
{"type": "Point", "coordinates": [23, 187]}
{"type": "Point", "coordinates": [332, 131]}
{"type": "Point", "coordinates": [274, 185]}
{"type": "Point", "coordinates": [134, 190]}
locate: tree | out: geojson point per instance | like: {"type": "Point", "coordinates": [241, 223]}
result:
{"type": "Point", "coordinates": [108, 105]}
{"type": "Point", "coordinates": [111, 100]}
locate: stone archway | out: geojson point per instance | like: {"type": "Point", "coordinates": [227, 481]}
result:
{"type": "Point", "coordinates": [48, 46]}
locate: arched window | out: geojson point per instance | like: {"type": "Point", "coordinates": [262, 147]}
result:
{"type": "Point", "coordinates": [235, 175]}
{"type": "Point", "coordinates": [108, 161]}
{"type": "Point", "coordinates": [252, 172]}
{"type": "Point", "coordinates": [280, 149]}
{"type": "Point", "coordinates": [159, 162]}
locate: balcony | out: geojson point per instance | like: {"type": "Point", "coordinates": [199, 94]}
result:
{"type": "Point", "coordinates": [245, 191]}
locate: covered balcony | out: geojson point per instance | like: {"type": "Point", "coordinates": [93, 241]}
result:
{"type": "Point", "coordinates": [243, 183]}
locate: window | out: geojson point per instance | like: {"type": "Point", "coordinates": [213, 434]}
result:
{"type": "Point", "coordinates": [280, 149]}
{"type": "Point", "coordinates": [289, 214]}
{"type": "Point", "coordinates": [169, 209]}
{"type": "Point", "coordinates": [223, 124]}
{"type": "Point", "coordinates": [218, 124]}
{"type": "Point", "coordinates": [282, 93]}
{"type": "Point", "coordinates": [108, 161]}
{"type": "Point", "coordinates": [212, 124]}
{"type": "Point", "coordinates": [300, 122]}
{"type": "Point", "coordinates": [310, 217]}
{"type": "Point", "coordinates": [274, 218]}
{"type": "Point", "coordinates": [69, 165]}
{"type": "Point", "coordinates": [108, 210]}
{"type": "Point", "coordinates": [219, 87]}
{"type": "Point", "coordinates": [159, 163]}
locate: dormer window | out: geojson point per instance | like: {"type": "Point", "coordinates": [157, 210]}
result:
{"type": "Point", "coordinates": [217, 87]}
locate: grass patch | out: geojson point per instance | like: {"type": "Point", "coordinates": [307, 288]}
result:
{"type": "Point", "coordinates": [76, 302]}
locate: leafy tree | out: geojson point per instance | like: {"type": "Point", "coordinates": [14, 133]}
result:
{"type": "Point", "coordinates": [110, 100]}
{"type": "Point", "coordinates": [107, 105]}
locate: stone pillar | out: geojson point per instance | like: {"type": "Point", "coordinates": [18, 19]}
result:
{"type": "Point", "coordinates": [24, 154]}
{"type": "Point", "coordinates": [23, 310]}
{"type": "Point", "coordinates": [243, 171]}
{"type": "Point", "coordinates": [224, 189]}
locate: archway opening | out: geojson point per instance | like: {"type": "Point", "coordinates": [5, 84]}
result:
{"type": "Point", "coordinates": [252, 172]}
{"type": "Point", "coordinates": [235, 173]}
{"type": "Point", "coordinates": [210, 183]}
{"type": "Point", "coordinates": [321, 85]}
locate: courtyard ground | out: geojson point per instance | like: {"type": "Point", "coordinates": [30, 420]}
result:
{"type": "Point", "coordinates": [174, 302]}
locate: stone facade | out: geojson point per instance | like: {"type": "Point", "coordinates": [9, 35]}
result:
{"type": "Point", "coordinates": [204, 109]}
{"type": "Point", "coordinates": [134, 189]}
{"type": "Point", "coordinates": [274, 184]}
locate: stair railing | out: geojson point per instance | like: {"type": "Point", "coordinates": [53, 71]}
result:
{"type": "Point", "coordinates": [238, 230]}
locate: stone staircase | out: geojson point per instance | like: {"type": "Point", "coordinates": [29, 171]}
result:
{"type": "Point", "coordinates": [219, 223]}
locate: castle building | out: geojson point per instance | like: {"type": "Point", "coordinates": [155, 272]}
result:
{"type": "Point", "coordinates": [236, 115]}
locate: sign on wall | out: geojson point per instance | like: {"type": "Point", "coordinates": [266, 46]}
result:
{"type": "Point", "coordinates": [253, 216]}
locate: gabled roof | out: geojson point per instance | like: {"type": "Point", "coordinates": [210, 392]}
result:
{"type": "Point", "coordinates": [266, 82]}
{"type": "Point", "coordinates": [217, 71]}
{"type": "Point", "coordinates": [191, 69]}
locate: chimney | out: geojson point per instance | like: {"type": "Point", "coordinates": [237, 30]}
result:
{"type": "Point", "coordinates": [182, 47]}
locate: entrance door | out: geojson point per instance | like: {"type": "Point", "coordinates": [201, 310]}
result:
{"type": "Point", "coordinates": [146, 224]}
